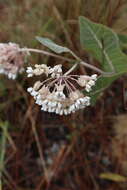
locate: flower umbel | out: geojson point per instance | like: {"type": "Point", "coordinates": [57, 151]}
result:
{"type": "Point", "coordinates": [11, 59]}
{"type": "Point", "coordinates": [59, 93]}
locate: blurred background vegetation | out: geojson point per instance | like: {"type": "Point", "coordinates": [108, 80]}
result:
{"type": "Point", "coordinates": [42, 151]}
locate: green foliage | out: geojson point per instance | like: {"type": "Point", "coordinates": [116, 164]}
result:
{"type": "Point", "coordinates": [103, 44]}
{"type": "Point", "coordinates": [51, 45]}
{"type": "Point", "coordinates": [20, 22]}
{"type": "Point", "coordinates": [123, 41]}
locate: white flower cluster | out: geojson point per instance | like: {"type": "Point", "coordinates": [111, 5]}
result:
{"type": "Point", "coordinates": [38, 70]}
{"type": "Point", "coordinates": [87, 81]}
{"type": "Point", "coordinates": [11, 59]}
{"type": "Point", "coordinates": [58, 94]}
{"type": "Point", "coordinates": [56, 71]}
{"type": "Point", "coordinates": [10, 75]}
{"type": "Point", "coordinates": [57, 102]}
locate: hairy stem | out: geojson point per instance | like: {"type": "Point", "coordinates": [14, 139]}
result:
{"type": "Point", "coordinates": [45, 53]}
{"type": "Point", "coordinates": [80, 61]}
{"type": "Point", "coordinates": [71, 69]}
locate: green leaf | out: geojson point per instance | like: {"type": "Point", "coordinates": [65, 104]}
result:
{"type": "Point", "coordinates": [123, 38]}
{"type": "Point", "coordinates": [123, 41]}
{"type": "Point", "coordinates": [113, 177]}
{"type": "Point", "coordinates": [51, 45]}
{"type": "Point", "coordinates": [103, 44]}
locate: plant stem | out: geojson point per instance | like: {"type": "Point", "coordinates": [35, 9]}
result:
{"type": "Point", "coordinates": [39, 149]}
{"type": "Point", "coordinates": [80, 61]}
{"type": "Point", "coordinates": [105, 74]}
{"type": "Point", "coordinates": [71, 69]}
{"type": "Point", "coordinates": [45, 53]}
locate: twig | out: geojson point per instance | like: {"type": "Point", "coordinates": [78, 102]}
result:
{"type": "Point", "coordinates": [45, 53]}
{"type": "Point", "coordinates": [28, 115]}
{"type": "Point", "coordinates": [39, 148]}
{"type": "Point", "coordinates": [105, 74]}
{"type": "Point", "coordinates": [80, 61]}
{"type": "Point", "coordinates": [108, 74]}
{"type": "Point", "coordinates": [71, 69]}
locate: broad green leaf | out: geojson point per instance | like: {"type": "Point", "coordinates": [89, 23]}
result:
{"type": "Point", "coordinates": [123, 38]}
{"type": "Point", "coordinates": [51, 45]}
{"type": "Point", "coordinates": [123, 41]}
{"type": "Point", "coordinates": [103, 44]}
{"type": "Point", "coordinates": [113, 177]}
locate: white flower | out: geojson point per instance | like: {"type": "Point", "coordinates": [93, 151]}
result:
{"type": "Point", "coordinates": [29, 71]}
{"type": "Point", "coordinates": [37, 85]}
{"type": "Point", "coordinates": [34, 93]}
{"type": "Point", "coordinates": [56, 71]}
{"type": "Point", "coordinates": [30, 89]}
{"type": "Point", "coordinates": [38, 70]}
{"type": "Point", "coordinates": [11, 76]}
{"type": "Point", "coordinates": [65, 111]}
{"type": "Point", "coordinates": [94, 77]}
{"type": "Point", "coordinates": [88, 88]}
{"type": "Point", "coordinates": [1, 70]}
{"type": "Point", "coordinates": [11, 59]}
{"type": "Point", "coordinates": [59, 105]}
{"type": "Point", "coordinates": [58, 110]}
{"type": "Point", "coordinates": [87, 81]}
{"type": "Point", "coordinates": [82, 80]}
{"type": "Point", "coordinates": [39, 102]}
{"type": "Point", "coordinates": [58, 94]}
{"type": "Point", "coordinates": [91, 83]}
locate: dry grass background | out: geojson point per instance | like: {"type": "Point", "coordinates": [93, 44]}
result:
{"type": "Point", "coordinates": [41, 151]}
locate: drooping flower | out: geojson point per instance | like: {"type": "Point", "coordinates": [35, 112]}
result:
{"type": "Point", "coordinates": [87, 81]}
{"type": "Point", "coordinates": [58, 93]}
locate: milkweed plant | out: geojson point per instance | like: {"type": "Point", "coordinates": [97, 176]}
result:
{"type": "Point", "coordinates": [61, 92]}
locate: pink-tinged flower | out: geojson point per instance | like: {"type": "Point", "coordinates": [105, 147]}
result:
{"type": "Point", "coordinates": [11, 59]}
{"type": "Point", "coordinates": [59, 93]}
